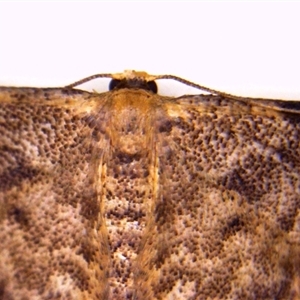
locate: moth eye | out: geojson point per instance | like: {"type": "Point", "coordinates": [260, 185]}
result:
{"type": "Point", "coordinates": [113, 84]}
{"type": "Point", "coordinates": [152, 86]}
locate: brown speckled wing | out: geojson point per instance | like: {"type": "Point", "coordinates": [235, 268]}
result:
{"type": "Point", "coordinates": [227, 215]}
{"type": "Point", "coordinates": [130, 195]}
{"type": "Point", "coordinates": [50, 213]}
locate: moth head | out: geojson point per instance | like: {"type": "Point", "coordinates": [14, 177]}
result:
{"type": "Point", "coordinates": [133, 80]}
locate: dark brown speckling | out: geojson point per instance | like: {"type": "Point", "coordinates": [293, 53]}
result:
{"type": "Point", "coordinates": [131, 195]}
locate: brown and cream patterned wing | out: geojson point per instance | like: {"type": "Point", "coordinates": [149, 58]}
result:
{"type": "Point", "coordinates": [130, 195]}
{"type": "Point", "coordinates": [226, 214]}
{"type": "Point", "coordinates": [51, 243]}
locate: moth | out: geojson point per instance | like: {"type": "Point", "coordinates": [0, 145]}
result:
{"type": "Point", "coordinates": [128, 194]}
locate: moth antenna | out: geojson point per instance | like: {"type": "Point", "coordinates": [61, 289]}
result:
{"type": "Point", "coordinates": [84, 80]}
{"type": "Point", "coordinates": [195, 85]}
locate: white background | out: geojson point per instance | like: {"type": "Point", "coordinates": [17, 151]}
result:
{"type": "Point", "coordinates": [249, 49]}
